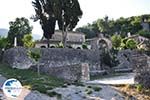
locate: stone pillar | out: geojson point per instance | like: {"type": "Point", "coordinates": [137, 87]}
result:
{"type": "Point", "coordinates": [15, 42]}
{"type": "Point", "coordinates": [85, 72]}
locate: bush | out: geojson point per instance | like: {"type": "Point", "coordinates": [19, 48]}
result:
{"type": "Point", "coordinates": [123, 43]}
{"type": "Point", "coordinates": [60, 45]}
{"type": "Point", "coordinates": [34, 54]}
{"type": "Point", "coordinates": [116, 41]}
{"type": "Point", "coordinates": [131, 44]}
{"type": "Point", "coordinates": [3, 43]}
{"type": "Point", "coordinates": [84, 46]}
{"type": "Point", "coordinates": [139, 87]}
{"type": "Point", "coordinates": [144, 33]}
{"type": "Point", "coordinates": [28, 41]}
{"type": "Point", "coordinates": [97, 88]}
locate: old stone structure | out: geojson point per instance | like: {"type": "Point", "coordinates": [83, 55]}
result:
{"type": "Point", "coordinates": [70, 64]}
{"type": "Point", "coordinates": [125, 62]}
{"type": "Point", "coordinates": [55, 57]}
{"type": "Point", "coordinates": [99, 42]}
{"type": "Point", "coordinates": [71, 73]}
{"type": "Point", "coordinates": [17, 58]}
{"type": "Point", "coordinates": [141, 63]}
{"type": "Point", "coordinates": [74, 39]}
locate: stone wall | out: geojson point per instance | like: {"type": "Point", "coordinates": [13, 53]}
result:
{"type": "Point", "coordinates": [141, 64]}
{"type": "Point", "coordinates": [17, 58]}
{"type": "Point", "coordinates": [64, 63]}
{"type": "Point", "coordinates": [55, 57]}
{"type": "Point", "coordinates": [71, 73]}
{"type": "Point", "coordinates": [125, 62]}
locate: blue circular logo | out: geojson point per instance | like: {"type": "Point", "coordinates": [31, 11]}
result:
{"type": "Point", "coordinates": [12, 88]}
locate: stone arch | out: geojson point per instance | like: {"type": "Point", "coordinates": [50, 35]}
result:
{"type": "Point", "coordinates": [43, 46]}
{"type": "Point", "coordinates": [104, 43]}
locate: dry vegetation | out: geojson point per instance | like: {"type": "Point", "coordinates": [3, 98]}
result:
{"type": "Point", "coordinates": [134, 91]}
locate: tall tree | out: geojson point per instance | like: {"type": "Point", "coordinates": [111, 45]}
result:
{"type": "Point", "coordinates": [18, 29]}
{"type": "Point", "coordinates": [66, 12]}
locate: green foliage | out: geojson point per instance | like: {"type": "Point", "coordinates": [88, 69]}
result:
{"type": "Point", "coordinates": [89, 91]}
{"type": "Point", "coordinates": [139, 87]}
{"type": "Point", "coordinates": [53, 93]}
{"type": "Point", "coordinates": [116, 41]}
{"type": "Point", "coordinates": [106, 59]}
{"type": "Point", "coordinates": [90, 31]}
{"type": "Point", "coordinates": [34, 54]}
{"type": "Point", "coordinates": [3, 43]}
{"type": "Point", "coordinates": [131, 44]}
{"type": "Point", "coordinates": [28, 41]}
{"type": "Point", "coordinates": [123, 43]}
{"type": "Point", "coordinates": [18, 28]}
{"type": "Point", "coordinates": [84, 46]}
{"type": "Point", "coordinates": [144, 33]}
{"type": "Point", "coordinates": [109, 26]}
{"type": "Point", "coordinates": [96, 88]}
{"type": "Point", "coordinates": [60, 45]}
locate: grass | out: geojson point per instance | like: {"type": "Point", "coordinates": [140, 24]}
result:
{"type": "Point", "coordinates": [30, 79]}
{"type": "Point", "coordinates": [97, 88]}
{"type": "Point", "coordinates": [88, 91]}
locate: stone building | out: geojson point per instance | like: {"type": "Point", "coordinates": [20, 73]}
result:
{"type": "Point", "coordinates": [99, 42]}
{"type": "Point", "coordinates": [74, 39]}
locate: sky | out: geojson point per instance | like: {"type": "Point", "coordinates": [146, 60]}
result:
{"type": "Point", "coordinates": [92, 10]}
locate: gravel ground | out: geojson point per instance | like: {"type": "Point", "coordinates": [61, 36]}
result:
{"type": "Point", "coordinates": [77, 92]}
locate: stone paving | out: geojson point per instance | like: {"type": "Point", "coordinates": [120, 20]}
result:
{"type": "Point", "coordinates": [127, 78]}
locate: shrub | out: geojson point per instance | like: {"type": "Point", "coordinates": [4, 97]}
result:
{"type": "Point", "coordinates": [28, 41]}
{"type": "Point", "coordinates": [116, 41]}
{"type": "Point", "coordinates": [139, 87]}
{"type": "Point", "coordinates": [84, 46]}
{"type": "Point", "coordinates": [35, 54]}
{"type": "Point", "coordinates": [3, 43]}
{"type": "Point", "coordinates": [131, 44]}
{"type": "Point", "coordinates": [60, 45]}
{"type": "Point", "coordinates": [97, 88]}
{"type": "Point", "coordinates": [144, 33]}
{"type": "Point", "coordinates": [123, 43]}
{"type": "Point", "coordinates": [88, 91]}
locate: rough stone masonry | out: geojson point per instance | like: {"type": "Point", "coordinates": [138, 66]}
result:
{"type": "Point", "coordinates": [63, 63]}
{"type": "Point", "coordinates": [141, 63]}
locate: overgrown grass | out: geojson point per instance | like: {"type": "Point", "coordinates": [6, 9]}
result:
{"type": "Point", "coordinates": [31, 79]}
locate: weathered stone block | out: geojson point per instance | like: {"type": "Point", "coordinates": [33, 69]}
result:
{"type": "Point", "coordinates": [70, 73]}
{"type": "Point", "coordinates": [142, 69]}
{"type": "Point", "coordinates": [17, 58]}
